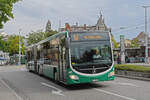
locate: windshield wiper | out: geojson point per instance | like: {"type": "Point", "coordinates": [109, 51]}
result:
{"type": "Point", "coordinates": [108, 65]}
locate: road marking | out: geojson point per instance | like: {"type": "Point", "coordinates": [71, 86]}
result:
{"type": "Point", "coordinates": [23, 69]}
{"type": "Point", "coordinates": [107, 92]}
{"type": "Point", "coordinates": [57, 92]}
{"type": "Point", "coordinates": [19, 97]}
{"type": "Point", "coordinates": [121, 83]}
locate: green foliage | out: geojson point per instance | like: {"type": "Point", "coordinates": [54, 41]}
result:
{"type": "Point", "coordinates": [13, 45]}
{"type": "Point", "coordinates": [114, 42]}
{"type": "Point", "coordinates": [134, 43]}
{"type": "Point", "coordinates": [50, 33]}
{"type": "Point", "coordinates": [6, 7]}
{"type": "Point", "coordinates": [35, 37]}
{"type": "Point", "coordinates": [3, 45]}
{"type": "Point", "coordinates": [128, 67]}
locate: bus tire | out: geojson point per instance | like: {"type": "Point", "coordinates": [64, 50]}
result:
{"type": "Point", "coordinates": [29, 69]}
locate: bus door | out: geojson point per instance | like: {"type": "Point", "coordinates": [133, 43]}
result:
{"type": "Point", "coordinates": [35, 58]}
{"type": "Point", "coordinates": [62, 63]}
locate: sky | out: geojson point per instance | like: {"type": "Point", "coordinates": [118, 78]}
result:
{"type": "Point", "coordinates": [32, 15]}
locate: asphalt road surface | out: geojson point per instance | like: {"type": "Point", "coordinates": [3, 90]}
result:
{"type": "Point", "coordinates": [16, 83]}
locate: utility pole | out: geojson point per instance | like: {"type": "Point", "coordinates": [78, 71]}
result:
{"type": "Point", "coordinates": [122, 49]}
{"type": "Point", "coordinates": [147, 35]}
{"type": "Point", "coordinates": [19, 48]}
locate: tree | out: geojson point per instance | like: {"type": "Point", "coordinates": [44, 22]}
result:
{"type": "Point", "coordinates": [135, 43]}
{"type": "Point", "coordinates": [50, 33]}
{"type": "Point", "coordinates": [35, 37]}
{"type": "Point", "coordinates": [3, 45]}
{"type": "Point", "coordinates": [13, 45]}
{"type": "Point", "coordinates": [6, 7]}
{"type": "Point", "coordinates": [114, 41]}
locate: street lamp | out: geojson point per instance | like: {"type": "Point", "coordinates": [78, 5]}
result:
{"type": "Point", "coordinates": [146, 37]}
{"type": "Point", "coordinates": [19, 48]}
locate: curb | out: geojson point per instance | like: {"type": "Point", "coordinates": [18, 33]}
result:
{"type": "Point", "coordinates": [133, 77]}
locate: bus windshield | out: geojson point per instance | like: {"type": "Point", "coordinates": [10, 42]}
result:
{"type": "Point", "coordinates": [91, 53]}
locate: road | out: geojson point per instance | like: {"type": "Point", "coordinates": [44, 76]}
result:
{"type": "Point", "coordinates": [16, 83]}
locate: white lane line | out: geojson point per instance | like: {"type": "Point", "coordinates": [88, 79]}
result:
{"type": "Point", "coordinates": [110, 93]}
{"type": "Point", "coordinates": [121, 83]}
{"type": "Point", "coordinates": [19, 97]}
{"type": "Point", "coordinates": [56, 91]}
{"type": "Point", "coordinates": [23, 69]}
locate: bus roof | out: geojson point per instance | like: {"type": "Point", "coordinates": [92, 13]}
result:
{"type": "Point", "coordinates": [61, 33]}
{"type": "Point", "coordinates": [47, 39]}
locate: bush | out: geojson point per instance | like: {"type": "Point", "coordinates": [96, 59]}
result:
{"type": "Point", "coordinates": [128, 67]}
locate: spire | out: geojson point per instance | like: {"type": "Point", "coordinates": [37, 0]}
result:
{"type": "Point", "coordinates": [101, 14]}
{"type": "Point", "coordinates": [101, 23]}
{"type": "Point", "coordinates": [48, 26]}
{"type": "Point", "coordinates": [100, 20]}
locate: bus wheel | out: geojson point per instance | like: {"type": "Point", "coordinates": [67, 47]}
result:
{"type": "Point", "coordinates": [29, 69]}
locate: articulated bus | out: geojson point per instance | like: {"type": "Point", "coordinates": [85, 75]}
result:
{"type": "Point", "coordinates": [73, 57]}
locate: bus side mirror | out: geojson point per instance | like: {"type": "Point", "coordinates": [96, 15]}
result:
{"type": "Point", "coordinates": [67, 42]}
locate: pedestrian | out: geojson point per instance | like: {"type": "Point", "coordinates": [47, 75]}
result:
{"type": "Point", "coordinates": [119, 59]}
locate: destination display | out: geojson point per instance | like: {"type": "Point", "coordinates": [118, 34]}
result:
{"type": "Point", "coordinates": [93, 37]}
{"type": "Point", "coordinates": [89, 36]}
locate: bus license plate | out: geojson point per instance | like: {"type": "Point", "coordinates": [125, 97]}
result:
{"type": "Point", "coordinates": [95, 80]}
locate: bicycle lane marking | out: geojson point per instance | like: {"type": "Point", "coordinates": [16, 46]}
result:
{"type": "Point", "coordinates": [55, 91]}
{"type": "Point", "coordinates": [114, 94]}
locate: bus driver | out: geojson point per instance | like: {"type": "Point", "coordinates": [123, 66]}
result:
{"type": "Point", "coordinates": [96, 54]}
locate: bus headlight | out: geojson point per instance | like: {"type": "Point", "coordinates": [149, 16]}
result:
{"type": "Point", "coordinates": [111, 74]}
{"type": "Point", "coordinates": [74, 77]}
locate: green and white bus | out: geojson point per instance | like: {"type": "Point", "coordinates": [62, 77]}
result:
{"type": "Point", "coordinates": [73, 57]}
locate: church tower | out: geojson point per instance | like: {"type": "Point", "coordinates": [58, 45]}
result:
{"type": "Point", "coordinates": [48, 26]}
{"type": "Point", "coordinates": [101, 24]}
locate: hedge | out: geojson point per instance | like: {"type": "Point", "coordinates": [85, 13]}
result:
{"type": "Point", "coordinates": [128, 67]}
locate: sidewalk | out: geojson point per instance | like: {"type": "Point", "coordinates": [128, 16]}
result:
{"type": "Point", "coordinates": [11, 68]}
{"type": "Point", "coordinates": [12, 65]}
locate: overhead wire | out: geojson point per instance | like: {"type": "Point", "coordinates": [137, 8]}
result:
{"type": "Point", "coordinates": [129, 28]}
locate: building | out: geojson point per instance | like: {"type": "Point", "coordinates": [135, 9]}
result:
{"type": "Point", "coordinates": [127, 43]}
{"type": "Point", "coordinates": [100, 25]}
{"type": "Point", "coordinates": [4, 58]}
{"type": "Point", "coordinates": [141, 39]}
{"type": "Point", "coordinates": [136, 54]}
{"type": "Point", "coordinates": [48, 26]}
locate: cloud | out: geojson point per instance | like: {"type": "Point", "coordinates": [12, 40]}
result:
{"type": "Point", "coordinates": [33, 14]}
